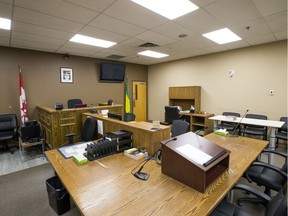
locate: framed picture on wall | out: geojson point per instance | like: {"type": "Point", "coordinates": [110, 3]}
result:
{"type": "Point", "coordinates": [66, 75]}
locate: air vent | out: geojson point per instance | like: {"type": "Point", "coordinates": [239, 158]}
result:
{"type": "Point", "coordinates": [148, 45]}
{"type": "Point", "coordinates": [115, 57]}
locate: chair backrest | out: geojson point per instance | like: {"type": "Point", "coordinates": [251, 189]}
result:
{"type": "Point", "coordinates": [179, 127]}
{"type": "Point", "coordinates": [129, 117]}
{"type": "Point", "coordinates": [284, 126]}
{"type": "Point", "coordinates": [8, 123]}
{"type": "Point", "coordinates": [89, 129]}
{"type": "Point", "coordinates": [278, 204]}
{"type": "Point", "coordinates": [171, 113]}
{"type": "Point", "coordinates": [256, 116]}
{"type": "Point", "coordinates": [231, 114]}
{"type": "Point", "coordinates": [72, 102]}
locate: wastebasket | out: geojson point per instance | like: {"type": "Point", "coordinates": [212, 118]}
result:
{"type": "Point", "coordinates": [59, 198]}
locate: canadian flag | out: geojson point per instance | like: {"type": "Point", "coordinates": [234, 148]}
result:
{"type": "Point", "coordinates": [23, 104]}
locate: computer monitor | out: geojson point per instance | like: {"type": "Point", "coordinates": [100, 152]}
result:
{"type": "Point", "coordinates": [171, 114]}
{"type": "Point", "coordinates": [114, 116]}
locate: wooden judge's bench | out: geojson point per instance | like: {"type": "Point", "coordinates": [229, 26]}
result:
{"type": "Point", "coordinates": [57, 123]}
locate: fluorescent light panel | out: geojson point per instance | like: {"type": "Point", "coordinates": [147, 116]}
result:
{"type": "Point", "coordinates": [91, 41]}
{"type": "Point", "coordinates": [170, 9]}
{"type": "Point", "coordinates": [153, 54]}
{"type": "Point", "coordinates": [222, 36]}
{"type": "Point", "coordinates": [5, 23]}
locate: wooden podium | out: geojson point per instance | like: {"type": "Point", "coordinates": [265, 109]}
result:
{"type": "Point", "coordinates": [193, 160]}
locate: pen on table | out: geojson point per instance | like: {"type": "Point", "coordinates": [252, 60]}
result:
{"type": "Point", "coordinates": [101, 164]}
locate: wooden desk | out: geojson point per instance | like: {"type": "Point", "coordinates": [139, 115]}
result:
{"type": "Point", "coordinates": [143, 136]}
{"type": "Point", "coordinates": [114, 191]}
{"type": "Point", "coordinates": [57, 124]}
{"type": "Point", "coordinates": [250, 121]}
{"type": "Point", "coordinates": [199, 121]}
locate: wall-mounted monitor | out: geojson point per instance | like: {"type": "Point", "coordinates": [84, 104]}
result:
{"type": "Point", "coordinates": [111, 72]}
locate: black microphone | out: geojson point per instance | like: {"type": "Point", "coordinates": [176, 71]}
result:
{"type": "Point", "coordinates": [235, 128]}
{"type": "Point", "coordinates": [145, 176]}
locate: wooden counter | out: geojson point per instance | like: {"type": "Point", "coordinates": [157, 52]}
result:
{"type": "Point", "coordinates": [57, 124]}
{"type": "Point", "coordinates": [143, 136]}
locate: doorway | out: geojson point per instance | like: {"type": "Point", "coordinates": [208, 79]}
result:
{"type": "Point", "coordinates": [139, 102]}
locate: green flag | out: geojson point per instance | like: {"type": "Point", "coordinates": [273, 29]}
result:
{"type": "Point", "coordinates": [127, 96]}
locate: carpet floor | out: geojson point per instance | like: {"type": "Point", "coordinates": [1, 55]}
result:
{"type": "Point", "coordinates": [24, 193]}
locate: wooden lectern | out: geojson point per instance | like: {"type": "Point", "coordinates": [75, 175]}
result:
{"type": "Point", "coordinates": [194, 160]}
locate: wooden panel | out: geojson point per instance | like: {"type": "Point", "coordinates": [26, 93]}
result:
{"type": "Point", "coordinates": [59, 123]}
{"type": "Point", "coordinates": [143, 136]}
{"type": "Point", "coordinates": [185, 96]}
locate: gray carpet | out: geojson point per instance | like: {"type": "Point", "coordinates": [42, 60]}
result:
{"type": "Point", "coordinates": [24, 193]}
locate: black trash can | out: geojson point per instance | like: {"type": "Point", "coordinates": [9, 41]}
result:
{"type": "Point", "coordinates": [59, 198]}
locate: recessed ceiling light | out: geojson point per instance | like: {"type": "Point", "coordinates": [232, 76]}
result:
{"type": "Point", "coordinates": [153, 54]}
{"type": "Point", "coordinates": [5, 23]}
{"type": "Point", "coordinates": [222, 36]}
{"type": "Point", "coordinates": [91, 41]}
{"type": "Point", "coordinates": [171, 9]}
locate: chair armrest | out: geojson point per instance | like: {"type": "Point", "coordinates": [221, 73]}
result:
{"type": "Point", "coordinates": [255, 192]}
{"type": "Point", "coordinates": [274, 152]}
{"type": "Point", "coordinates": [269, 166]}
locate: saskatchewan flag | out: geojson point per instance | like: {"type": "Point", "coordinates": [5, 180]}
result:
{"type": "Point", "coordinates": [127, 96]}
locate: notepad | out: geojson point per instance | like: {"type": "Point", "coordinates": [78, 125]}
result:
{"type": "Point", "coordinates": [194, 154]}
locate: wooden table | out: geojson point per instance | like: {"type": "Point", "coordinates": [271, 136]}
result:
{"type": "Point", "coordinates": [143, 136]}
{"type": "Point", "coordinates": [250, 121]}
{"type": "Point", "coordinates": [114, 191]}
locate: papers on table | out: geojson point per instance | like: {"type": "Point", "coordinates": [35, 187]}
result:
{"type": "Point", "coordinates": [194, 154]}
{"type": "Point", "coordinates": [71, 150]}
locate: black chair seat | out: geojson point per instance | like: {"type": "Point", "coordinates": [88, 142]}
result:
{"type": "Point", "coordinates": [281, 135]}
{"type": "Point", "coordinates": [228, 209]}
{"type": "Point", "coordinates": [267, 177]}
{"type": "Point", "coordinates": [253, 131]}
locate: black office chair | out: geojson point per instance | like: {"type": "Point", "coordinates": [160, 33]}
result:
{"type": "Point", "coordinates": [267, 175]}
{"type": "Point", "coordinates": [8, 130]}
{"type": "Point", "coordinates": [230, 126]}
{"type": "Point", "coordinates": [72, 102]}
{"type": "Point", "coordinates": [276, 206]}
{"type": "Point", "coordinates": [171, 114]}
{"type": "Point", "coordinates": [179, 127]}
{"type": "Point", "coordinates": [255, 130]}
{"type": "Point", "coordinates": [282, 132]}
{"type": "Point", "coordinates": [129, 117]}
{"type": "Point", "coordinates": [88, 132]}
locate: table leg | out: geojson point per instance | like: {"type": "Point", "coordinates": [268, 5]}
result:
{"type": "Point", "coordinates": [215, 125]}
{"type": "Point", "coordinates": [272, 139]}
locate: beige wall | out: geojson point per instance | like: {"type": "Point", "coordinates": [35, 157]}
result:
{"type": "Point", "coordinates": [41, 77]}
{"type": "Point", "coordinates": [257, 70]}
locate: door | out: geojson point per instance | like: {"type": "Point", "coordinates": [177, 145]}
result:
{"type": "Point", "coordinates": [139, 93]}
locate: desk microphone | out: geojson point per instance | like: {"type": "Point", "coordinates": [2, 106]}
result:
{"type": "Point", "coordinates": [235, 128]}
{"type": "Point", "coordinates": [145, 176]}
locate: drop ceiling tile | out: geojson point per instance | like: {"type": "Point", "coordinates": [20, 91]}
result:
{"type": "Point", "coordinates": [96, 5]}
{"type": "Point", "coordinates": [75, 51]}
{"type": "Point", "coordinates": [268, 7]}
{"type": "Point", "coordinates": [82, 46]}
{"type": "Point", "coordinates": [41, 31]}
{"type": "Point", "coordinates": [173, 30]}
{"type": "Point", "coordinates": [102, 34]}
{"type": "Point", "coordinates": [199, 21]}
{"type": "Point", "coordinates": [281, 35]}
{"type": "Point", "coordinates": [261, 39]}
{"type": "Point", "coordinates": [36, 18]}
{"type": "Point", "coordinates": [59, 9]}
{"type": "Point", "coordinates": [7, 1]}
{"type": "Point", "coordinates": [133, 13]}
{"type": "Point", "coordinates": [233, 11]}
{"type": "Point", "coordinates": [5, 10]}
{"type": "Point", "coordinates": [4, 41]}
{"type": "Point", "coordinates": [277, 22]}
{"type": "Point", "coordinates": [114, 25]}
{"type": "Point", "coordinates": [33, 45]}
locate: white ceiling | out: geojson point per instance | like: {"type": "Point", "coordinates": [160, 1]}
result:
{"type": "Point", "coordinates": [47, 25]}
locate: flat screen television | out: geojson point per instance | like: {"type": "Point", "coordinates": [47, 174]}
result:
{"type": "Point", "coordinates": [111, 72]}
